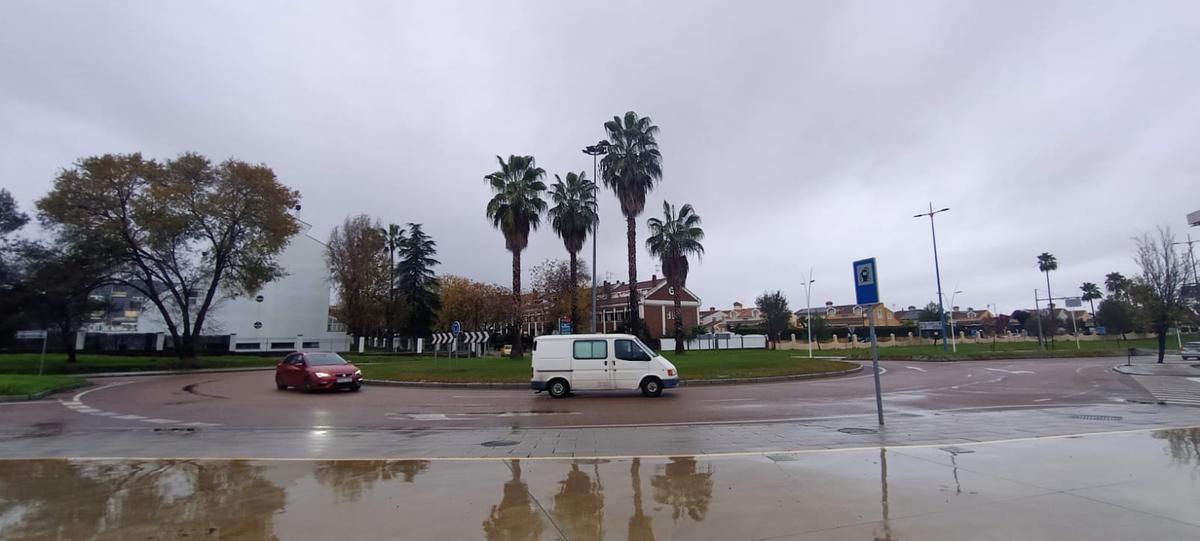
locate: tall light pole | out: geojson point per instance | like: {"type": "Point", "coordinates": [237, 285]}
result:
{"type": "Point", "coordinates": [808, 309]}
{"type": "Point", "coordinates": [1191, 256]}
{"type": "Point", "coordinates": [595, 151]}
{"type": "Point", "coordinates": [937, 268]}
{"type": "Point", "coordinates": [953, 338]}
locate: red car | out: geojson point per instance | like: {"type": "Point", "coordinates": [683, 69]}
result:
{"type": "Point", "coordinates": [312, 371]}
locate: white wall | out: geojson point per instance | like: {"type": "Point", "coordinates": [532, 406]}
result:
{"type": "Point", "coordinates": [294, 308]}
{"type": "Point", "coordinates": [749, 341]}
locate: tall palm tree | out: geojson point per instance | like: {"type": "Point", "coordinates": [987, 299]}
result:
{"type": "Point", "coordinates": [1046, 263]}
{"type": "Point", "coordinates": [516, 209]}
{"type": "Point", "coordinates": [1116, 284]}
{"type": "Point", "coordinates": [1091, 292]}
{"type": "Point", "coordinates": [631, 168]}
{"type": "Point", "coordinates": [393, 236]}
{"type": "Point", "coordinates": [672, 239]}
{"type": "Point", "coordinates": [573, 217]}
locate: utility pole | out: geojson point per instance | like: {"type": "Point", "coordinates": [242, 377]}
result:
{"type": "Point", "coordinates": [937, 269]}
{"type": "Point", "coordinates": [594, 151]}
{"type": "Point", "coordinates": [808, 309]}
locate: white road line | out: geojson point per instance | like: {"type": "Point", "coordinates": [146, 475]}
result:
{"type": "Point", "coordinates": [728, 399]}
{"type": "Point", "coordinates": [129, 417]}
{"type": "Point", "coordinates": [917, 368]}
{"type": "Point", "coordinates": [1043, 399]}
{"type": "Point", "coordinates": [77, 397]}
{"type": "Point", "coordinates": [1010, 371]}
{"type": "Point", "coordinates": [27, 402]}
{"type": "Point", "coordinates": [161, 421]}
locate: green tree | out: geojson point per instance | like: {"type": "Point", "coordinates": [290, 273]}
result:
{"type": "Point", "coordinates": [1116, 315]}
{"type": "Point", "coordinates": [1046, 262]}
{"type": "Point", "coordinates": [1117, 285]}
{"type": "Point", "coordinates": [631, 168]}
{"type": "Point", "coordinates": [11, 219]}
{"type": "Point", "coordinates": [393, 237]}
{"type": "Point", "coordinates": [1158, 287]}
{"type": "Point", "coordinates": [516, 209]}
{"type": "Point", "coordinates": [416, 280]}
{"type": "Point", "coordinates": [672, 239]}
{"type": "Point", "coordinates": [187, 231]}
{"type": "Point", "coordinates": [776, 314]}
{"type": "Point", "coordinates": [57, 285]}
{"type": "Point", "coordinates": [573, 217]}
{"type": "Point", "coordinates": [355, 255]}
{"type": "Point", "coordinates": [1091, 294]}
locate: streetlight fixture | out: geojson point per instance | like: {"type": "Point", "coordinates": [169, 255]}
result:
{"type": "Point", "coordinates": [595, 151]}
{"type": "Point", "coordinates": [953, 338]}
{"type": "Point", "coordinates": [937, 268]}
{"type": "Point", "coordinates": [808, 309]}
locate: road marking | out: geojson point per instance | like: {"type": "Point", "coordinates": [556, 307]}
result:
{"type": "Point", "coordinates": [1043, 399]}
{"type": "Point", "coordinates": [26, 402]}
{"type": "Point", "coordinates": [1010, 371]}
{"type": "Point", "coordinates": [917, 368]}
{"type": "Point", "coordinates": [728, 399]}
{"type": "Point", "coordinates": [732, 454]}
{"type": "Point", "coordinates": [474, 416]}
{"type": "Point", "coordinates": [76, 404]}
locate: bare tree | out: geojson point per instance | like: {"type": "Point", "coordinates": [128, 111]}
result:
{"type": "Point", "coordinates": [1158, 287]}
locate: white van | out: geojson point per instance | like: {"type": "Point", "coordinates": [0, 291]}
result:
{"type": "Point", "coordinates": [587, 362]}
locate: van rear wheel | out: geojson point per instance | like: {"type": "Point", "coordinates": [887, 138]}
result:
{"type": "Point", "coordinates": [558, 388]}
{"type": "Point", "coordinates": [652, 387]}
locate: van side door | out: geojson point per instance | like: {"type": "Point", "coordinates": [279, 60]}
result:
{"type": "Point", "coordinates": [630, 363]}
{"type": "Point", "coordinates": [590, 364]}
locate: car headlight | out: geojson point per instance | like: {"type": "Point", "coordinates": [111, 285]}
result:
{"type": "Point", "coordinates": [358, 372]}
{"type": "Point", "coordinates": [321, 374]}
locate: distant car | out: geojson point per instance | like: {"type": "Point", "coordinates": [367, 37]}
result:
{"type": "Point", "coordinates": [1191, 350]}
{"type": "Point", "coordinates": [313, 371]}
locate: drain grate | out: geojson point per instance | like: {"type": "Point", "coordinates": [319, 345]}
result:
{"type": "Point", "coordinates": [498, 443]}
{"type": "Point", "coordinates": [858, 431]}
{"type": "Point", "coordinates": [1098, 417]}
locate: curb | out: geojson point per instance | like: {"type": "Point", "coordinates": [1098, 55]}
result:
{"type": "Point", "coordinates": [171, 372]}
{"type": "Point", "coordinates": [41, 395]}
{"type": "Point", "coordinates": [683, 383]}
{"type": "Point", "coordinates": [1132, 371]}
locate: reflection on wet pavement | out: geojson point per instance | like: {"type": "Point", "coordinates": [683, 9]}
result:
{"type": "Point", "coordinates": [1117, 486]}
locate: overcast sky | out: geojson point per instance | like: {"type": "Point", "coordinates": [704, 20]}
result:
{"type": "Point", "coordinates": [805, 134]}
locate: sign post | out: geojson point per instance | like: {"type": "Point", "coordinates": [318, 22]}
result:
{"type": "Point", "coordinates": [1074, 302]}
{"type": "Point", "coordinates": [565, 326]}
{"type": "Point", "coordinates": [866, 293]}
{"type": "Point", "coordinates": [32, 335]}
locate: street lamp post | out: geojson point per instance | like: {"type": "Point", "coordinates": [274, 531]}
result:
{"type": "Point", "coordinates": [595, 151]}
{"type": "Point", "coordinates": [953, 337]}
{"type": "Point", "coordinates": [808, 309]}
{"type": "Point", "coordinates": [937, 268]}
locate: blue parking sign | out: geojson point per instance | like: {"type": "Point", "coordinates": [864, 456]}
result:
{"type": "Point", "coordinates": [866, 282]}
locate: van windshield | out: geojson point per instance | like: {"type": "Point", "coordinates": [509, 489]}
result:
{"type": "Point", "coordinates": [645, 348]}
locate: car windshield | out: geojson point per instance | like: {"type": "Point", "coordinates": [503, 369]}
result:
{"type": "Point", "coordinates": [325, 359]}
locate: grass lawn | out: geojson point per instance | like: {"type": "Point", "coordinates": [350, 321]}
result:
{"type": "Point", "coordinates": [1063, 347]}
{"type": "Point", "coordinates": [24, 384]}
{"type": "Point", "coordinates": [693, 365]}
{"type": "Point", "coordinates": [56, 363]}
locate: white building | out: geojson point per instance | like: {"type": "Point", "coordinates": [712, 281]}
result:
{"type": "Point", "coordinates": [290, 313]}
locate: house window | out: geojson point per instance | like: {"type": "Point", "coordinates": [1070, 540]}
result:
{"type": "Point", "coordinates": [246, 345]}
{"type": "Point", "coordinates": [310, 345]}
{"type": "Point", "coordinates": [831, 312]}
{"type": "Point", "coordinates": [858, 310]}
{"type": "Point", "coordinates": [282, 345]}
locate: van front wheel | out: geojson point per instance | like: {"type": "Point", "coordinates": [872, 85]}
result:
{"type": "Point", "coordinates": [558, 388]}
{"type": "Point", "coordinates": [651, 387]}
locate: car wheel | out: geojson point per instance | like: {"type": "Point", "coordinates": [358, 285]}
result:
{"type": "Point", "coordinates": [651, 387]}
{"type": "Point", "coordinates": [279, 385]}
{"type": "Point", "coordinates": [308, 388]}
{"type": "Point", "coordinates": [558, 388]}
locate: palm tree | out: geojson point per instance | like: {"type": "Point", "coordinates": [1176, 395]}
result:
{"type": "Point", "coordinates": [516, 209]}
{"type": "Point", "coordinates": [1046, 263]}
{"type": "Point", "coordinates": [631, 168]}
{"type": "Point", "coordinates": [1091, 292]}
{"type": "Point", "coordinates": [394, 236]}
{"type": "Point", "coordinates": [573, 217]}
{"type": "Point", "coordinates": [672, 239]}
{"type": "Point", "coordinates": [1116, 284]}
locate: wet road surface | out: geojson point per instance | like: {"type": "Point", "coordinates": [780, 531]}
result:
{"type": "Point", "coordinates": [1139, 485]}
{"type": "Point", "coordinates": [249, 400]}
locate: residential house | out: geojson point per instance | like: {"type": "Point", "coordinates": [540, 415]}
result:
{"type": "Point", "coordinates": [655, 305]}
{"type": "Point", "coordinates": [850, 315]}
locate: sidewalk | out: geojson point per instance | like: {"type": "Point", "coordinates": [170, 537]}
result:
{"type": "Point", "coordinates": [1169, 368]}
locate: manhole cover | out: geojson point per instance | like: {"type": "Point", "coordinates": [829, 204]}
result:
{"type": "Point", "coordinates": [1097, 417]}
{"type": "Point", "coordinates": [855, 430]}
{"type": "Point", "coordinates": [956, 450]}
{"type": "Point", "coordinates": [783, 458]}
{"type": "Point", "coordinates": [498, 443]}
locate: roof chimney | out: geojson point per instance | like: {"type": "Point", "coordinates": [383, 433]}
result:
{"type": "Point", "coordinates": [737, 306]}
{"type": "Point", "coordinates": [829, 303]}
{"type": "Point", "coordinates": [912, 307]}
{"type": "Point", "coordinates": [955, 308]}
{"type": "Point", "coordinates": [712, 308]}
{"type": "Point", "coordinates": [653, 278]}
